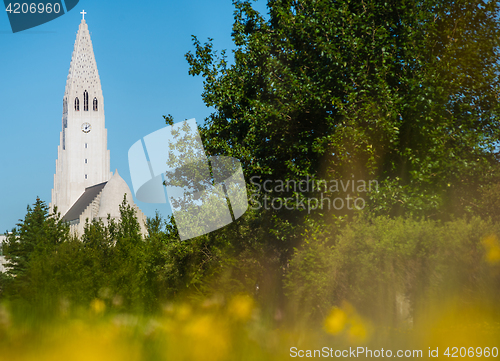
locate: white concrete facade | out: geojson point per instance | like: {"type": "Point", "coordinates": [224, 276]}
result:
{"type": "Point", "coordinates": [107, 202]}
{"type": "Point", "coordinates": [83, 157]}
{"type": "Point", "coordinates": [3, 261]}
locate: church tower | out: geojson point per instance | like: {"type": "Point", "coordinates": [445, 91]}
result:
{"type": "Point", "coordinates": [84, 188]}
{"type": "Point", "coordinates": [83, 156]}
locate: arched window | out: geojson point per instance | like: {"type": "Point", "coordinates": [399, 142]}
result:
{"type": "Point", "coordinates": [85, 101]}
{"type": "Point", "coordinates": [77, 104]}
{"type": "Point", "coordinates": [95, 104]}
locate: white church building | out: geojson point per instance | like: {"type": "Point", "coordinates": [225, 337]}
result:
{"type": "Point", "coordinates": [2, 258]}
{"type": "Point", "coordinates": [84, 186]}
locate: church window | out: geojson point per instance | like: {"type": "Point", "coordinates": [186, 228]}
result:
{"type": "Point", "coordinates": [85, 161]}
{"type": "Point", "coordinates": [85, 101]}
{"type": "Point", "coordinates": [77, 104]}
{"type": "Point", "coordinates": [85, 176]}
{"type": "Point", "coordinates": [86, 146]}
{"type": "Point", "coordinates": [95, 104]}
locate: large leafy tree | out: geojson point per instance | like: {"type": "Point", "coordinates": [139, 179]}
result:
{"type": "Point", "coordinates": [405, 92]}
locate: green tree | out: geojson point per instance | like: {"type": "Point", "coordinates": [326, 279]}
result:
{"type": "Point", "coordinates": [28, 248]}
{"type": "Point", "coordinates": [39, 232]}
{"type": "Point", "coordinates": [127, 261]}
{"type": "Point", "coordinates": [400, 91]}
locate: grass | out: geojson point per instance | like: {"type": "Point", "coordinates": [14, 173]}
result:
{"type": "Point", "coordinates": [235, 329]}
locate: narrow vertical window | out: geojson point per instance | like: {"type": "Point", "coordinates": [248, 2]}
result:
{"type": "Point", "coordinates": [95, 104]}
{"type": "Point", "coordinates": [77, 104]}
{"type": "Point", "coordinates": [85, 101]}
{"type": "Point", "coordinates": [85, 176]}
{"type": "Point", "coordinates": [85, 161]}
{"type": "Point", "coordinates": [86, 146]}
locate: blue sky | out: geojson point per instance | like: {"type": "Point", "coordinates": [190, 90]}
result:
{"type": "Point", "coordinates": [139, 49]}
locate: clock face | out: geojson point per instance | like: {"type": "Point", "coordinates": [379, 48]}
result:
{"type": "Point", "coordinates": [86, 127]}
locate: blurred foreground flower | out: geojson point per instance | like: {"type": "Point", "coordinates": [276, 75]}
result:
{"type": "Point", "coordinates": [97, 306]}
{"type": "Point", "coordinates": [492, 246]}
{"type": "Point", "coordinates": [209, 336]}
{"type": "Point", "coordinates": [241, 307]}
{"type": "Point", "coordinates": [336, 321]}
{"type": "Point", "coordinates": [455, 324]}
{"type": "Point", "coordinates": [346, 319]}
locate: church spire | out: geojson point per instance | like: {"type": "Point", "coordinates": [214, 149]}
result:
{"type": "Point", "coordinates": [83, 74]}
{"type": "Point", "coordinates": [83, 158]}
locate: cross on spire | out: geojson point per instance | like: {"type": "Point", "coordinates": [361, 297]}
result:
{"type": "Point", "coordinates": [83, 14]}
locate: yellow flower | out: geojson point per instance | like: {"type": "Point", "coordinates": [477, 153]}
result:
{"type": "Point", "coordinates": [241, 307]}
{"type": "Point", "coordinates": [357, 332]}
{"type": "Point", "coordinates": [492, 246]}
{"type": "Point", "coordinates": [97, 306]}
{"type": "Point", "coordinates": [208, 339]}
{"type": "Point", "coordinates": [336, 321]}
{"type": "Point", "coordinates": [183, 312]}
{"type": "Point", "coordinates": [346, 319]}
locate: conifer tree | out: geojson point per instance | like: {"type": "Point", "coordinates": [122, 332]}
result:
{"type": "Point", "coordinates": [40, 232]}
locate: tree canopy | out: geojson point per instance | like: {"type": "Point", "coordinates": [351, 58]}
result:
{"type": "Point", "coordinates": [405, 92]}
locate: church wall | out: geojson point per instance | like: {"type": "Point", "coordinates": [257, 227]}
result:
{"type": "Point", "coordinates": [3, 261]}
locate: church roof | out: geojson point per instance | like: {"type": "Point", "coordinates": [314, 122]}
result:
{"type": "Point", "coordinates": [82, 203]}
{"type": "Point", "coordinates": [83, 73]}
{"type": "Point", "coordinates": [112, 196]}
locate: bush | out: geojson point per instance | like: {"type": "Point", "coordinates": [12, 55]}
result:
{"type": "Point", "coordinates": [382, 265]}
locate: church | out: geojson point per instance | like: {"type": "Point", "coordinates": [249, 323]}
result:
{"type": "Point", "coordinates": [84, 187]}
